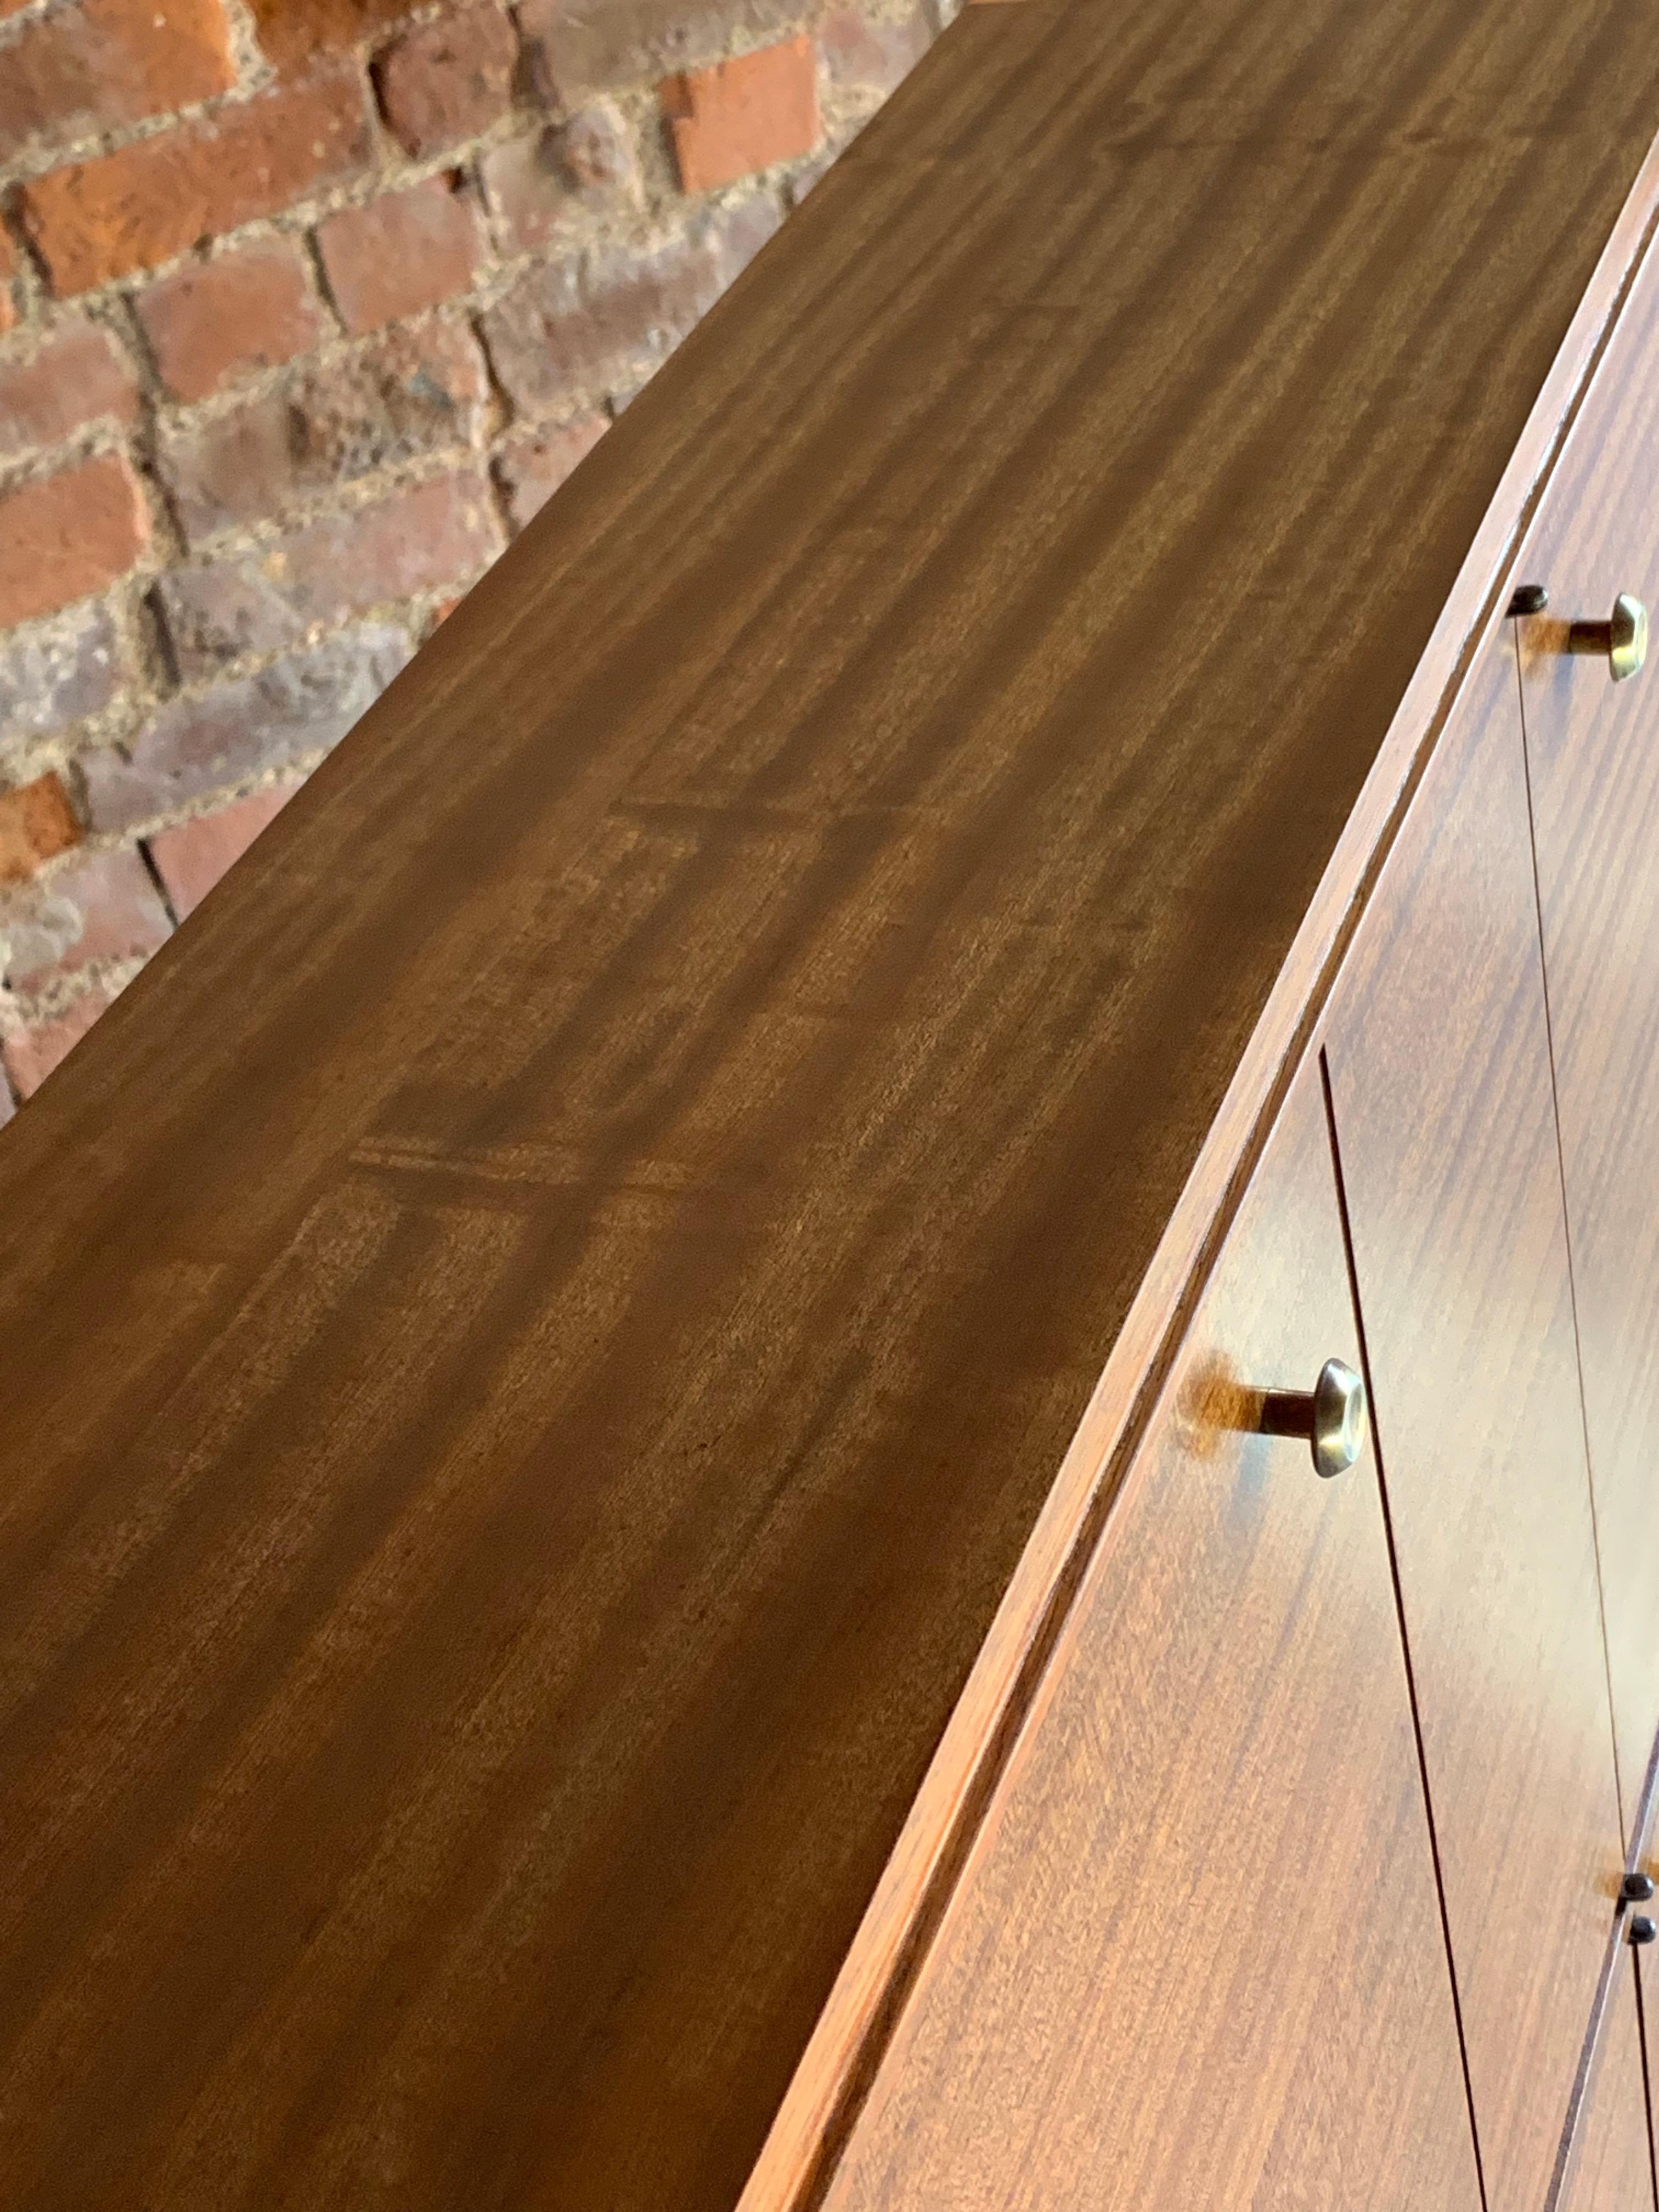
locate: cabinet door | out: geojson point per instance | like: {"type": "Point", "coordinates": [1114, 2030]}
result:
{"type": "Point", "coordinates": [1440, 1079]}
{"type": "Point", "coordinates": [1612, 2168]}
{"type": "Point", "coordinates": [1593, 747]}
{"type": "Point", "coordinates": [1196, 1957]}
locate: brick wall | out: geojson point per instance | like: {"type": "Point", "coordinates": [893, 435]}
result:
{"type": "Point", "coordinates": [306, 306]}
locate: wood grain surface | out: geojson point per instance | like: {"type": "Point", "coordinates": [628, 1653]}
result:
{"type": "Point", "coordinates": [1196, 1956]}
{"type": "Point", "coordinates": [1438, 1052]}
{"type": "Point", "coordinates": [539, 1328]}
{"type": "Point", "coordinates": [1593, 747]}
{"type": "Point", "coordinates": [1612, 2168]}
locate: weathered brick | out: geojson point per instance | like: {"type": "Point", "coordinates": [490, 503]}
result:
{"type": "Point", "coordinates": [428, 537]}
{"type": "Point", "coordinates": [743, 227]}
{"type": "Point", "coordinates": [292, 31]}
{"type": "Point", "coordinates": [65, 536]}
{"type": "Point", "coordinates": [8, 270]}
{"type": "Point", "coordinates": [415, 391]}
{"type": "Point", "coordinates": [531, 468]}
{"type": "Point", "coordinates": [37, 822]}
{"type": "Point", "coordinates": [235, 467]}
{"type": "Point", "coordinates": [447, 81]}
{"type": "Point", "coordinates": [236, 730]}
{"type": "Point", "coordinates": [562, 329]}
{"type": "Point", "coordinates": [214, 320]}
{"type": "Point", "coordinates": [606, 44]}
{"type": "Point", "coordinates": [94, 220]}
{"type": "Point", "coordinates": [743, 115]}
{"type": "Point", "coordinates": [536, 185]}
{"type": "Point", "coordinates": [32, 1053]}
{"type": "Point", "coordinates": [55, 673]}
{"type": "Point", "coordinates": [404, 251]}
{"type": "Point", "coordinates": [872, 52]}
{"type": "Point", "coordinates": [105, 62]}
{"type": "Point", "coordinates": [421, 389]}
{"type": "Point", "coordinates": [192, 856]}
{"type": "Point", "coordinates": [101, 908]}
{"type": "Point", "coordinates": [78, 375]}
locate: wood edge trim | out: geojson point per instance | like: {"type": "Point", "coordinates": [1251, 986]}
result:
{"type": "Point", "coordinates": [1572, 2131]}
{"type": "Point", "coordinates": [1566, 2157]}
{"type": "Point", "coordinates": [827, 2091]}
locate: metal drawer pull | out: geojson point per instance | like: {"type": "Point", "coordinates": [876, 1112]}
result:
{"type": "Point", "coordinates": [1331, 1416]}
{"type": "Point", "coordinates": [1623, 638]}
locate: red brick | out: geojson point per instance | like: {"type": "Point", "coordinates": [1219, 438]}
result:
{"type": "Point", "coordinates": [293, 31]}
{"type": "Point", "coordinates": [8, 270]}
{"type": "Point", "coordinates": [538, 185]}
{"type": "Point", "coordinates": [555, 334]}
{"type": "Point", "coordinates": [872, 50]}
{"type": "Point", "coordinates": [402, 252]}
{"type": "Point", "coordinates": [63, 536]}
{"type": "Point", "coordinates": [79, 376]}
{"type": "Point", "coordinates": [448, 81]}
{"type": "Point", "coordinates": [132, 209]}
{"type": "Point", "coordinates": [31, 1054]}
{"type": "Point", "coordinates": [233, 732]}
{"type": "Point", "coordinates": [415, 391]}
{"type": "Point", "coordinates": [191, 858]}
{"type": "Point", "coordinates": [531, 469]}
{"type": "Point", "coordinates": [102, 908]}
{"type": "Point", "coordinates": [242, 311]}
{"type": "Point", "coordinates": [743, 115]}
{"type": "Point", "coordinates": [427, 538]}
{"type": "Point", "coordinates": [107, 62]}
{"type": "Point", "coordinates": [37, 822]}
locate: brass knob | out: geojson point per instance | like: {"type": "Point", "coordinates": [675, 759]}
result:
{"type": "Point", "coordinates": [1623, 638]}
{"type": "Point", "coordinates": [1331, 1416]}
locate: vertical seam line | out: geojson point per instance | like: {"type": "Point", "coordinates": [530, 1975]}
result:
{"type": "Point", "coordinates": [1400, 1611]}
{"type": "Point", "coordinates": [1626, 1825]}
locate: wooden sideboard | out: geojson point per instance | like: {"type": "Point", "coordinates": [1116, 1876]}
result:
{"type": "Point", "coordinates": [652, 1553]}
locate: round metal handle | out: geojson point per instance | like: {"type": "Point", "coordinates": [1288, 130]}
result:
{"type": "Point", "coordinates": [1623, 637]}
{"type": "Point", "coordinates": [1331, 1416]}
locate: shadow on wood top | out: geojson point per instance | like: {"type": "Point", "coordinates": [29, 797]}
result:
{"type": "Point", "coordinates": [538, 1326]}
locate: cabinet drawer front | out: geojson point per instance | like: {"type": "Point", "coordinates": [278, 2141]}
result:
{"type": "Point", "coordinates": [1196, 1957]}
{"type": "Point", "coordinates": [1438, 1056]}
{"type": "Point", "coordinates": [1593, 747]}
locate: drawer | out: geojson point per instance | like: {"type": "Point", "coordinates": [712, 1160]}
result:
{"type": "Point", "coordinates": [1593, 750]}
{"type": "Point", "coordinates": [1438, 1052]}
{"type": "Point", "coordinates": [1196, 1957]}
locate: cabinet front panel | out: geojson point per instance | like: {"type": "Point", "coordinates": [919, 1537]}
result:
{"type": "Point", "coordinates": [1612, 2164]}
{"type": "Point", "coordinates": [1196, 1958]}
{"type": "Point", "coordinates": [1593, 746]}
{"type": "Point", "coordinates": [1440, 1076]}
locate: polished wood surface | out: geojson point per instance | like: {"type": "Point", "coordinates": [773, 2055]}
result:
{"type": "Point", "coordinates": [539, 1327]}
{"type": "Point", "coordinates": [835, 2070]}
{"type": "Point", "coordinates": [1196, 1956]}
{"type": "Point", "coordinates": [1438, 1054]}
{"type": "Point", "coordinates": [1612, 2162]}
{"type": "Point", "coordinates": [1593, 747]}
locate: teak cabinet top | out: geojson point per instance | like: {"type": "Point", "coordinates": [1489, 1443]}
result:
{"type": "Point", "coordinates": [541, 1329]}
